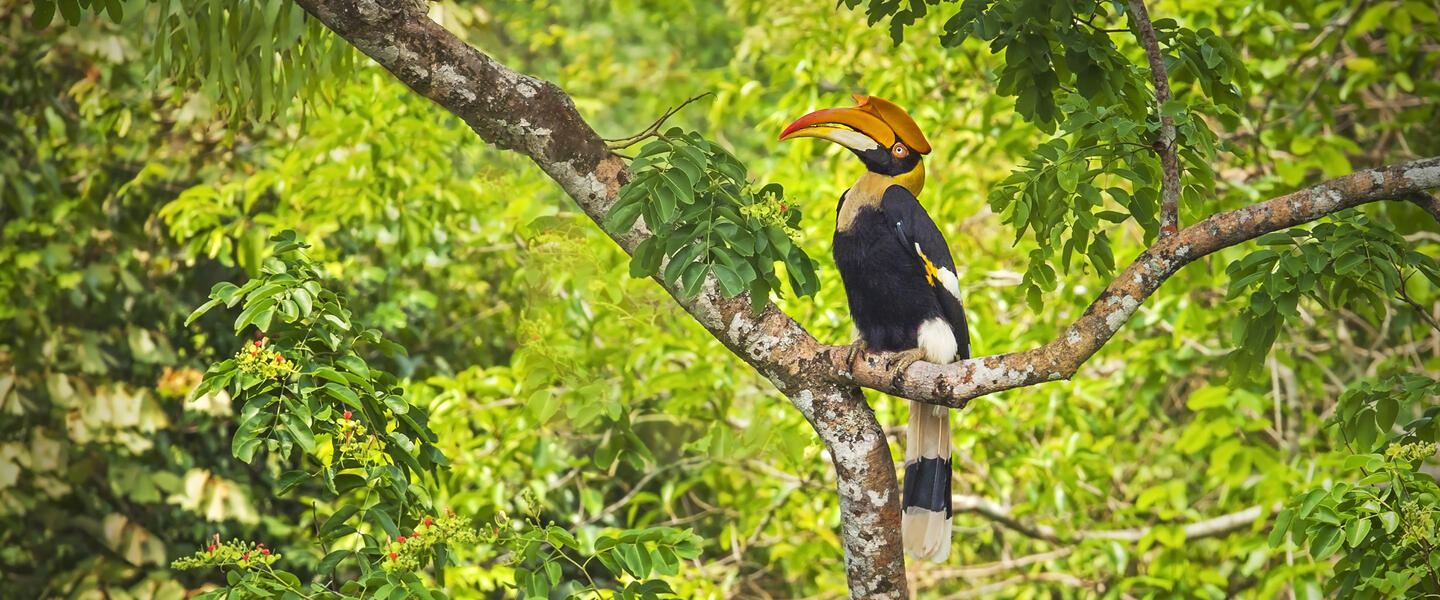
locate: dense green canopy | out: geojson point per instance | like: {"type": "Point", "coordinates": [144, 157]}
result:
{"type": "Point", "coordinates": [1259, 428]}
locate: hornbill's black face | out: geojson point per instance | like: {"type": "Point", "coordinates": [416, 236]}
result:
{"type": "Point", "coordinates": [884, 137]}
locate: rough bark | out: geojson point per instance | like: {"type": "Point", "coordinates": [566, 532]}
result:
{"type": "Point", "coordinates": [536, 118]}
{"type": "Point", "coordinates": [1165, 146]}
{"type": "Point", "coordinates": [954, 384]}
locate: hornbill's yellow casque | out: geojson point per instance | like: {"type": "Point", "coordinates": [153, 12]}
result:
{"type": "Point", "coordinates": [903, 292]}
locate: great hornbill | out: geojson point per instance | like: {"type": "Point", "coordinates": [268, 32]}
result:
{"type": "Point", "coordinates": [903, 292]}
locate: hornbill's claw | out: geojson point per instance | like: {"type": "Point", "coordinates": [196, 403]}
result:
{"type": "Point", "coordinates": [900, 361]}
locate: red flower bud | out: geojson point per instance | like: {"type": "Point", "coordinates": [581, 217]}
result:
{"type": "Point", "coordinates": [394, 556]}
{"type": "Point", "coordinates": [347, 415]}
{"type": "Point", "coordinates": [428, 521]}
{"type": "Point", "coordinates": [279, 359]}
{"type": "Point", "coordinates": [260, 545]}
{"type": "Point", "coordinates": [401, 540]}
{"type": "Point", "coordinates": [258, 343]}
{"type": "Point", "coordinates": [212, 547]}
{"type": "Point", "coordinates": [265, 551]}
{"type": "Point", "coordinates": [246, 557]}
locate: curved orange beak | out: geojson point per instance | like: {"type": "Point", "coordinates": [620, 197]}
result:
{"type": "Point", "coordinates": [872, 123]}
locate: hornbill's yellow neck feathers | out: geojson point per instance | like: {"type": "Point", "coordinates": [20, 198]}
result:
{"type": "Point", "coordinates": [881, 133]}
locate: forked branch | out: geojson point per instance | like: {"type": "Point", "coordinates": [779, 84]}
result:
{"type": "Point", "coordinates": [1165, 146]}
{"type": "Point", "coordinates": [536, 118]}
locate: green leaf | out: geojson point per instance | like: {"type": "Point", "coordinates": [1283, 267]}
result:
{"type": "Point", "coordinates": [300, 432]}
{"type": "Point", "coordinates": [396, 404]}
{"type": "Point", "coordinates": [1325, 543]}
{"type": "Point", "coordinates": [44, 13]}
{"type": "Point", "coordinates": [200, 311]}
{"type": "Point", "coordinates": [337, 519]}
{"type": "Point", "coordinates": [693, 279]}
{"type": "Point", "coordinates": [70, 9]}
{"type": "Point", "coordinates": [1389, 520]}
{"type": "Point", "coordinates": [1385, 412]}
{"type": "Point", "coordinates": [252, 312]}
{"type": "Point", "coordinates": [1282, 526]}
{"type": "Point", "coordinates": [623, 214]}
{"type": "Point", "coordinates": [1356, 531]}
{"type": "Point", "coordinates": [289, 480]}
{"type": "Point", "coordinates": [647, 257]}
{"type": "Point", "coordinates": [1174, 108]}
{"type": "Point", "coordinates": [382, 518]}
{"type": "Point", "coordinates": [344, 394]}
{"type": "Point", "coordinates": [730, 283]}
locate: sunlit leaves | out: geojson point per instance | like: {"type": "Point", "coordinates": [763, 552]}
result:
{"type": "Point", "coordinates": [1350, 262]}
{"type": "Point", "coordinates": [304, 387]}
{"type": "Point", "coordinates": [1383, 525]}
{"type": "Point", "coordinates": [706, 219]}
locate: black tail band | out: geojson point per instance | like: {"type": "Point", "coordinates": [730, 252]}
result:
{"type": "Point", "coordinates": [927, 485]}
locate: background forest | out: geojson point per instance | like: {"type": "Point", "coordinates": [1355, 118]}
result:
{"type": "Point", "coordinates": [1260, 428]}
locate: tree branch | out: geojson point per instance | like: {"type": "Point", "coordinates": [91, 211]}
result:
{"type": "Point", "coordinates": [1208, 528]}
{"type": "Point", "coordinates": [954, 384]}
{"type": "Point", "coordinates": [1165, 146]}
{"type": "Point", "coordinates": [536, 118]}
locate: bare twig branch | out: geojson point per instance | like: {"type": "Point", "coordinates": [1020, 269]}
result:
{"type": "Point", "coordinates": [1208, 528]}
{"type": "Point", "coordinates": [1000, 566]}
{"type": "Point", "coordinates": [1165, 146]}
{"type": "Point", "coordinates": [653, 129]}
{"type": "Point", "coordinates": [536, 118]}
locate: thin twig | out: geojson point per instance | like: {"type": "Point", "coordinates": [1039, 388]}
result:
{"type": "Point", "coordinates": [1165, 146]}
{"type": "Point", "coordinates": [1215, 527]}
{"type": "Point", "coordinates": [652, 130]}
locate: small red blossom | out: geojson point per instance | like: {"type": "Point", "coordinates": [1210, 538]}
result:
{"type": "Point", "coordinates": [394, 556]}
{"type": "Point", "coordinates": [401, 540]}
{"type": "Point", "coordinates": [279, 359]}
{"type": "Point", "coordinates": [258, 343]}
{"type": "Point", "coordinates": [265, 551]}
{"type": "Point", "coordinates": [212, 547]}
{"type": "Point", "coordinates": [428, 521]}
{"type": "Point", "coordinates": [246, 557]}
{"type": "Point", "coordinates": [347, 415]}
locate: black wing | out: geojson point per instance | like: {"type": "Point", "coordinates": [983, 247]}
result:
{"type": "Point", "coordinates": [917, 231]}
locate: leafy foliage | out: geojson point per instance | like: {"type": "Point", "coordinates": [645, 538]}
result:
{"type": "Point", "coordinates": [1383, 525]}
{"type": "Point", "coordinates": [1350, 260]}
{"type": "Point", "coordinates": [544, 368]}
{"type": "Point", "coordinates": [706, 219]}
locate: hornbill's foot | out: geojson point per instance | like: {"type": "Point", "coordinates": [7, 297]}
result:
{"type": "Point", "coordinates": [855, 350]}
{"type": "Point", "coordinates": [900, 361]}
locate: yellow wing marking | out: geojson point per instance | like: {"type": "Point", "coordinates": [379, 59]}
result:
{"type": "Point", "coordinates": [930, 270]}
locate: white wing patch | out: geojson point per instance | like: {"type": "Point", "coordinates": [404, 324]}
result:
{"type": "Point", "coordinates": [951, 283]}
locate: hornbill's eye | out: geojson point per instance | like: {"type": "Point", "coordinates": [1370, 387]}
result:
{"type": "Point", "coordinates": [900, 151]}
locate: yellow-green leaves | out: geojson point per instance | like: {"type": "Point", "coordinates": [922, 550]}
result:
{"type": "Point", "coordinates": [706, 219]}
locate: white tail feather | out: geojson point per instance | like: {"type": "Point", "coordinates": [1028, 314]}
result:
{"type": "Point", "coordinates": [927, 533]}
